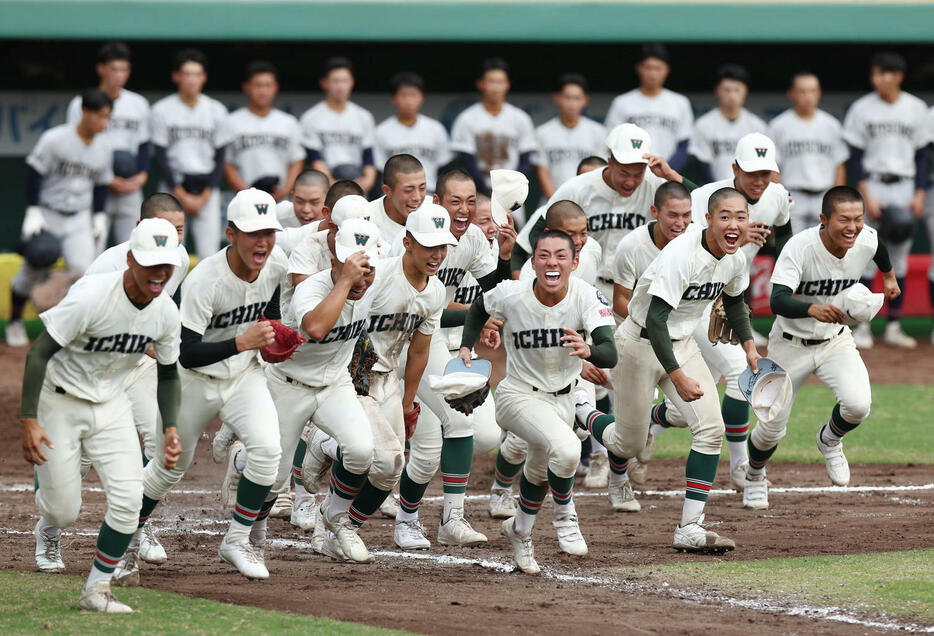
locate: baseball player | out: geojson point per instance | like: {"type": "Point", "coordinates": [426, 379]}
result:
{"type": "Point", "coordinates": [409, 132]}
{"type": "Point", "coordinates": [128, 135]}
{"type": "Point", "coordinates": [568, 138]}
{"type": "Point", "coordinates": [189, 150]}
{"type": "Point", "coordinates": [306, 200]}
{"type": "Point", "coordinates": [665, 115]}
{"type": "Point", "coordinates": [888, 138]}
{"type": "Point", "coordinates": [807, 336]}
{"type": "Point", "coordinates": [493, 133]}
{"type": "Point", "coordinates": [67, 175]}
{"type": "Point", "coordinates": [545, 321]}
{"type": "Point", "coordinates": [222, 300]}
{"type": "Point", "coordinates": [811, 150]}
{"type": "Point", "coordinates": [339, 132]}
{"type": "Point", "coordinates": [656, 349]}
{"type": "Point", "coordinates": [265, 150]}
{"type": "Point", "coordinates": [74, 400]}
{"type": "Point", "coordinates": [713, 141]}
{"type": "Point", "coordinates": [404, 191]}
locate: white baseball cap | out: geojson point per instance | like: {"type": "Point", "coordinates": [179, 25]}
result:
{"type": "Point", "coordinates": [510, 190]}
{"type": "Point", "coordinates": [430, 226]}
{"type": "Point", "coordinates": [351, 206]}
{"type": "Point", "coordinates": [356, 235]}
{"type": "Point", "coordinates": [858, 303]}
{"type": "Point", "coordinates": [628, 142]}
{"type": "Point", "coordinates": [755, 152]}
{"type": "Point", "coordinates": [252, 210]}
{"type": "Point", "coordinates": [769, 392]}
{"type": "Point", "coordinates": [155, 242]}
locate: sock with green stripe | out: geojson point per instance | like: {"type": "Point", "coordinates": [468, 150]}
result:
{"type": "Point", "coordinates": [250, 499]}
{"type": "Point", "coordinates": [297, 458]}
{"type": "Point", "coordinates": [258, 529]}
{"type": "Point", "coordinates": [618, 467]}
{"type": "Point", "coordinates": [410, 497]}
{"type": "Point", "coordinates": [833, 431]}
{"type": "Point", "coordinates": [562, 492]}
{"type": "Point", "coordinates": [366, 503]}
{"type": "Point", "coordinates": [345, 486]}
{"type": "Point", "coordinates": [736, 419]}
{"type": "Point", "coordinates": [456, 459]}
{"type": "Point", "coordinates": [596, 422]}
{"type": "Point", "coordinates": [604, 404]}
{"type": "Point", "coordinates": [146, 510]}
{"type": "Point", "coordinates": [657, 415]}
{"type": "Point", "coordinates": [758, 459]}
{"type": "Point", "coordinates": [530, 500]}
{"type": "Point", "coordinates": [111, 546]}
{"type": "Point", "coordinates": [700, 472]}
{"type": "Point", "coordinates": [505, 473]}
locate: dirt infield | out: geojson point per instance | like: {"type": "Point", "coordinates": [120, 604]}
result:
{"type": "Point", "coordinates": [472, 590]}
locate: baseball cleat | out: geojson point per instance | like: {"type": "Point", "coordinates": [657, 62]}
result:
{"type": "Point", "coordinates": [259, 549]}
{"type": "Point", "coordinates": [390, 507]}
{"type": "Point", "coordinates": [756, 493]}
{"type": "Point", "coordinates": [331, 547]}
{"type": "Point", "coordinates": [523, 552]}
{"type": "Point", "coordinates": [320, 535]}
{"type": "Point", "coordinates": [16, 334]}
{"type": "Point", "coordinates": [223, 438]}
{"type": "Point", "coordinates": [502, 504]}
{"type": "Point", "coordinates": [48, 551]}
{"type": "Point", "coordinates": [458, 531]}
{"type": "Point", "coordinates": [693, 537]}
{"type": "Point", "coordinates": [648, 451]}
{"type": "Point", "coordinates": [346, 532]}
{"type": "Point", "coordinates": [282, 508]}
{"type": "Point", "coordinates": [598, 475]}
{"type": "Point", "coordinates": [126, 574]}
{"type": "Point", "coordinates": [411, 535]}
{"type": "Point", "coordinates": [895, 337]}
{"type": "Point", "coordinates": [862, 336]}
{"type": "Point", "coordinates": [241, 556]}
{"type": "Point", "coordinates": [304, 515]}
{"type": "Point", "coordinates": [582, 408]}
{"type": "Point", "coordinates": [622, 498]}
{"type": "Point", "coordinates": [838, 469]}
{"type": "Point", "coordinates": [316, 464]}
{"type": "Point", "coordinates": [150, 550]}
{"type": "Point", "coordinates": [99, 598]}
{"type": "Point", "coordinates": [637, 472]}
{"type": "Point", "coordinates": [570, 539]}
{"type": "Point", "coordinates": [738, 477]}
{"type": "Point", "coordinates": [232, 476]}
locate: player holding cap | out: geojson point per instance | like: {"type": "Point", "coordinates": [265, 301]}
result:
{"type": "Point", "coordinates": [656, 348]}
{"type": "Point", "coordinates": [127, 134]}
{"type": "Point", "coordinates": [189, 150]}
{"type": "Point", "coordinates": [265, 150]}
{"type": "Point", "coordinates": [67, 175]}
{"type": "Point", "coordinates": [74, 400]}
{"type": "Point", "coordinates": [665, 115]}
{"type": "Point", "coordinates": [811, 150]}
{"type": "Point", "coordinates": [713, 142]}
{"type": "Point", "coordinates": [404, 191]}
{"type": "Point", "coordinates": [544, 320]}
{"type": "Point", "coordinates": [306, 200]}
{"type": "Point", "coordinates": [223, 299]}
{"type": "Point", "coordinates": [808, 337]}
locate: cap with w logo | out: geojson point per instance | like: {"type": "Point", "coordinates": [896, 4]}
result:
{"type": "Point", "coordinates": [253, 210]}
{"type": "Point", "coordinates": [628, 143]}
{"type": "Point", "coordinates": [430, 225]}
{"type": "Point", "coordinates": [356, 235]}
{"type": "Point", "coordinates": [155, 242]}
{"type": "Point", "coordinates": [756, 152]}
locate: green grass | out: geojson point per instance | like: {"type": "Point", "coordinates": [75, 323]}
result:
{"type": "Point", "coordinates": [899, 584]}
{"type": "Point", "coordinates": [897, 430]}
{"type": "Point", "coordinates": [35, 603]}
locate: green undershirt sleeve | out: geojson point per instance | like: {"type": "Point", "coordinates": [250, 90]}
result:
{"type": "Point", "coordinates": [603, 350]}
{"type": "Point", "coordinates": [656, 323]}
{"type": "Point", "coordinates": [783, 304]}
{"type": "Point", "coordinates": [782, 234]}
{"type": "Point", "coordinates": [738, 317]}
{"type": "Point", "coordinates": [168, 394]}
{"type": "Point", "coordinates": [36, 362]}
{"type": "Point", "coordinates": [881, 258]}
{"type": "Point", "coordinates": [476, 318]}
{"type": "Point", "coordinates": [453, 318]}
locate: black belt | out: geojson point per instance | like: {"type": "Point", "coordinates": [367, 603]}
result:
{"type": "Point", "coordinates": [60, 390]}
{"type": "Point", "coordinates": [889, 178]}
{"type": "Point", "coordinates": [65, 212]}
{"type": "Point", "coordinates": [812, 342]}
{"type": "Point", "coordinates": [644, 333]}
{"type": "Point", "coordinates": [812, 193]}
{"type": "Point", "coordinates": [563, 391]}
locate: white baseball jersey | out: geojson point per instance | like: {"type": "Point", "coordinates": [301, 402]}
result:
{"type": "Point", "coordinates": [389, 230]}
{"type": "Point", "coordinates": [399, 310]}
{"type": "Point", "coordinates": [285, 214]}
{"type": "Point", "coordinates": [888, 134]}
{"type": "Point", "coordinates": [496, 141]}
{"type": "Point", "coordinates": [190, 134]}
{"type": "Point", "coordinates": [114, 260]}
{"type": "Point", "coordinates": [687, 277]}
{"type": "Point", "coordinates": [809, 150]}
{"type": "Point", "coordinates": [773, 208]}
{"type": "Point", "coordinates": [70, 168]}
{"type": "Point", "coordinates": [816, 276]}
{"type": "Point", "coordinates": [714, 139]}
{"type": "Point", "coordinates": [634, 254]}
{"type": "Point", "coordinates": [220, 306]}
{"type": "Point", "coordinates": [532, 332]}
{"type": "Point", "coordinates": [467, 291]}
{"type": "Point", "coordinates": [291, 237]}
{"type": "Point", "coordinates": [426, 140]}
{"type": "Point", "coordinates": [262, 146]}
{"type": "Point", "coordinates": [561, 148]}
{"type": "Point", "coordinates": [667, 117]}
{"type": "Point", "coordinates": [311, 254]}
{"type": "Point", "coordinates": [590, 260]}
{"type": "Point", "coordinates": [129, 120]}
{"type": "Point", "coordinates": [472, 255]}
{"type": "Point", "coordinates": [340, 136]}
{"type": "Point", "coordinates": [320, 363]}
{"type": "Point", "coordinates": [97, 317]}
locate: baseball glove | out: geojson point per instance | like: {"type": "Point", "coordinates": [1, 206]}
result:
{"type": "Point", "coordinates": [361, 364]}
{"type": "Point", "coordinates": [411, 419]}
{"type": "Point", "coordinates": [466, 404]}
{"type": "Point", "coordinates": [287, 341]}
{"type": "Point", "coordinates": [720, 329]}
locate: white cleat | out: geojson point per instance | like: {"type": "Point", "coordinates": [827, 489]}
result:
{"type": "Point", "coordinates": [895, 337]}
{"type": "Point", "coordinates": [223, 438]}
{"type": "Point", "coordinates": [622, 498]}
{"type": "Point", "coordinates": [695, 538]}
{"type": "Point", "coordinates": [259, 549]}
{"type": "Point", "coordinates": [320, 535]}
{"type": "Point", "coordinates": [738, 477]}
{"type": "Point", "coordinates": [756, 493]}
{"type": "Point", "coordinates": [316, 464]}
{"type": "Point", "coordinates": [346, 532]}
{"type": "Point", "coordinates": [150, 550]}
{"type": "Point", "coordinates": [126, 574]}
{"type": "Point", "coordinates": [410, 535]}
{"type": "Point", "coordinates": [241, 556]}
{"type": "Point", "coordinates": [390, 507]}
{"type": "Point", "coordinates": [862, 336]}
{"type": "Point", "coordinates": [838, 469]}
{"type": "Point", "coordinates": [502, 503]}
{"type": "Point", "coordinates": [582, 408]}
{"type": "Point", "coordinates": [458, 531]}
{"type": "Point", "coordinates": [282, 508]}
{"type": "Point", "coordinates": [523, 552]}
{"type": "Point", "coordinates": [637, 472]}
{"type": "Point", "coordinates": [99, 598]}
{"type": "Point", "coordinates": [48, 551]}
{"type": "Point", "coordinates": [304, 515]}
{"type": "Point", "coordinates": [570, 539]}
{"type": "Point", "coordinates": [598, 475]}
{"type": "Point", "coordinates": [232, 476]}
{"type": "Point", "coordinates": [16, 334]}
{"type": "Point", "coordinates": [331, 547]}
